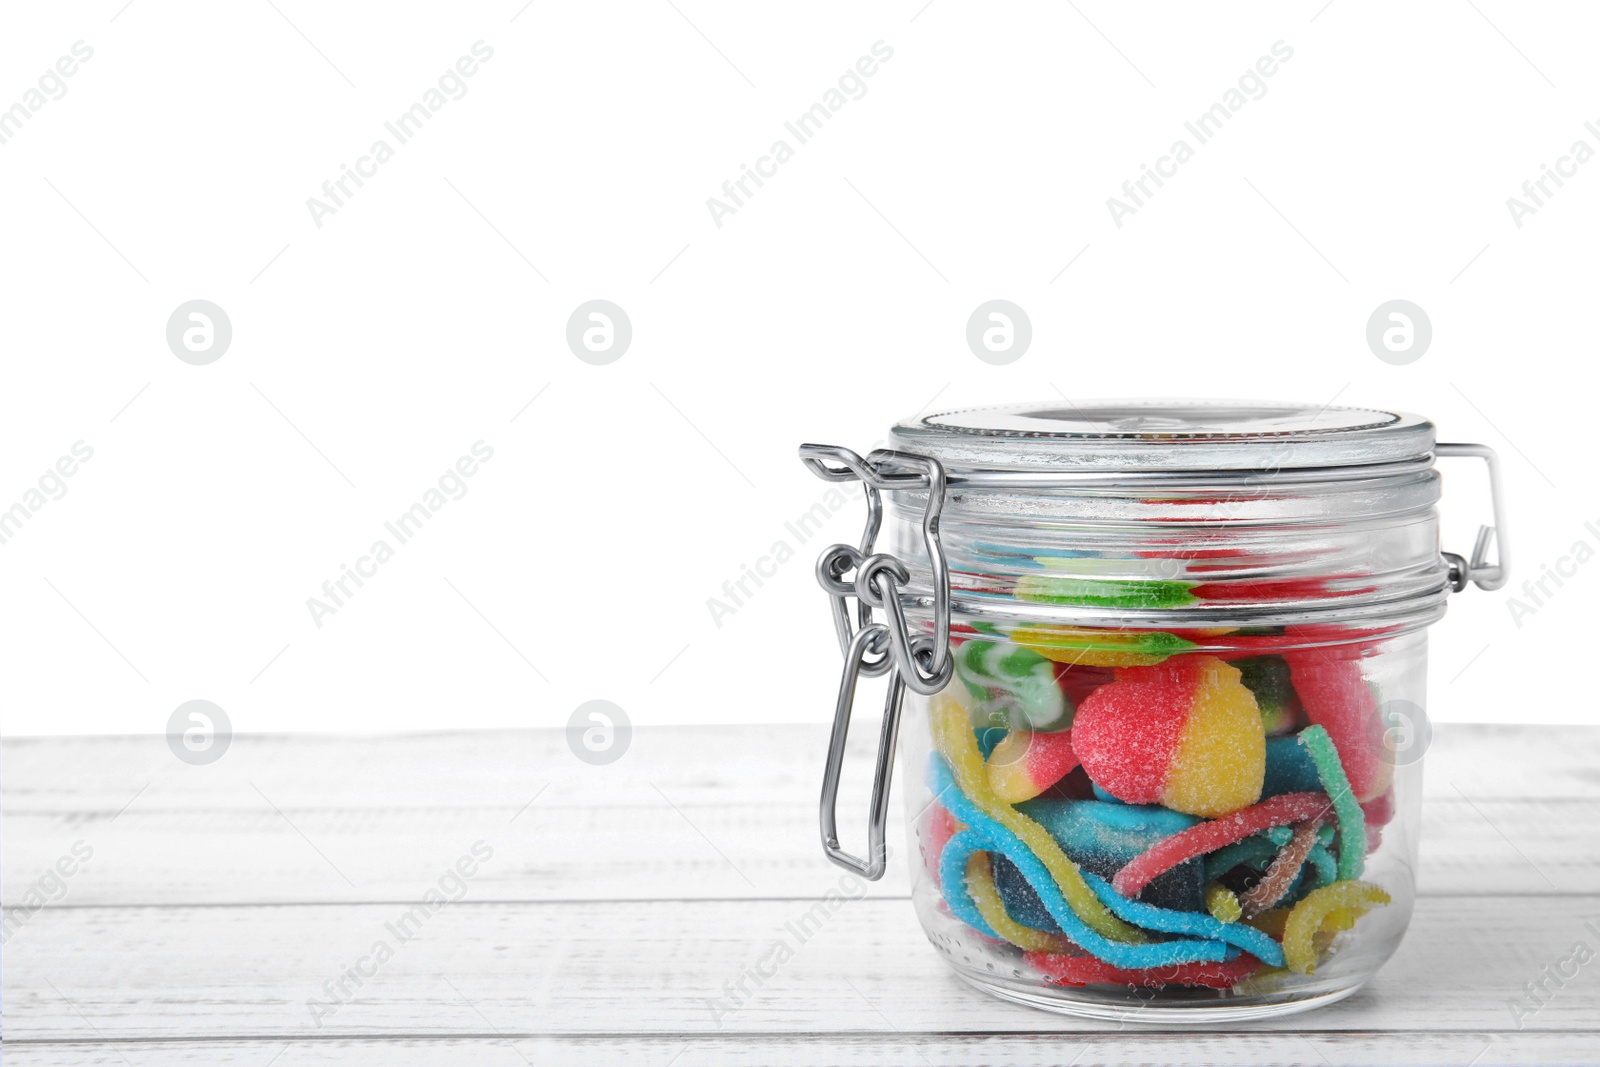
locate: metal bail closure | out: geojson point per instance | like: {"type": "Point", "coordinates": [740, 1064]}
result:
{"type": "Point", "coordinates": [917, 661]}
{"type": "Point", "coordinates": [878, 813]}
{"type": "Point", "coordinates": [1478, 570]}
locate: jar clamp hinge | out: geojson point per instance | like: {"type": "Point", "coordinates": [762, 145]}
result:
{"type": "Point", "coordinates": [919, 661]}
{"type": "Point", "coordinates": [1478, 570]}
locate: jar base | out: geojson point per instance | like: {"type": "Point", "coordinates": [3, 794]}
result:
{"type": "Point", "coordinates": [1122, 1007]}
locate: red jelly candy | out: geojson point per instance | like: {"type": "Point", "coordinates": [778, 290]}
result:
{"type": "Point", "coordinates": [1337, 698]}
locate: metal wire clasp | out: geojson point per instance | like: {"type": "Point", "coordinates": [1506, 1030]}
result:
{"type": "Point", "coordinates": [920, 662]}
{"type": "Point", "coordinates": [1478, 570]}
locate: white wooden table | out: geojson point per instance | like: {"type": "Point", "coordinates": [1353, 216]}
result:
{"type": "Point", "coordinates": [218, 906]}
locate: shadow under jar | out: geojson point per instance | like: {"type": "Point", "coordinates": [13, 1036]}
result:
{"type": "Point", "coordinates": [1165, 664]}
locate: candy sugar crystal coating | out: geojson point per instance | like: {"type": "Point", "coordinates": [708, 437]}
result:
{"type": "Point", "coordinates": [1072, 970]}
{"type": "Point", "coordinates": [1025, 764]}
{"type": "Point", "coordinates": [1004, 677]}
{"type": "Point", "coordinates": [938, 827]}
{"type": "Point", "coordinates": [1340, 902]}
{"type": "Point", "coordinates": [1352, 823]}
{"type": "Point", "coordinates": [1035, 909]}
{"type": "Point", "coordinates": [1337, 698]}
{"type": "Point", "coordinates": [988, 834]}
{"type": "Point", "coordinates": [1289, 768]}
{"type": "Point", "coordinates": [1101, 837]}
{"type": "Point", "coordinates": [1255, 851]}
{"type": "Point", "coordinates": [1285, 868]}
{"type": "Point", "coordinates": [1379, 810]}
{"type": "Point", "coordinates": [1268, 678]}
{"type": "Point", "coordinates": [954, 871]}
{"type": "Point", "coordinates": [986, 898]}
{"type": "Point", "coordinates": [953, 738]}
{"type": "Point", "coordinates": [1212, 835]}
{"type": "Point", "coordinates": [1185, 734]}
{"type": "Point", "coordinates": [1196, 923]}
{"type": "Point", "coordinates": [1100, 648]}
{"type": "Point", "coordinates": [1222, 904]}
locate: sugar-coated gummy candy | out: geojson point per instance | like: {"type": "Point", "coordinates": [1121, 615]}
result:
{"type": "Point", "coordinates": [1337, 698]}
{"type": "Point", "coordinates": [1100, 648]}
{"type": "Point", "coordinates": [1074, 970]}
{"type": "Point", "coordinates": [1379, 811]}
{"type": "Point", "coordinates": [968, 795]}
{"type": "Point", "coordinates": [1222, 903]}
{"type": "Point", "coordinates": [1268, 678]}
{"type": "Point", "coordinates": [1255, 851]}
{"type": "Point", "coordinates": [1101, 837]}
{"type": "Point", "coordinates": [1101, 848]}
{"type": "Point", "coordinates": [1195, 923]}
{"type": "Point", "coordinates": [1051, 586]}
{"type": "Point", "coordinates": [1212, 835]}
{"type": "Point", "coordinates": [938, 827]}
{"type": "Point", "coordinates": [1020, 900]}
{"type": "Point", "coordinates": [986, 898]}
{"type": "Point", "coordinates": [1289, 768]}
{"type": "Point", "coordinates": [1284, 869]}
{"type": "Point", "coordinates": [1010, 681]}
{"type": "Point", "coordinates": [1342, 902]}
{"type": "Point", "coordinates": [1185, 734]}
{"type": "Point", "coordinates": [1352, 823]}
{"type": "Point", "coordinates": [986, 833]}
{"type": "Point", "coordinates": [1025, 763]}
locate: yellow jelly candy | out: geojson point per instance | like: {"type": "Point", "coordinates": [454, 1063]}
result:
{"type": "Point", "coordinates": [1341, 902]}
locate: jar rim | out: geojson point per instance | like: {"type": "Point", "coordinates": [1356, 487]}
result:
{"type": "Point", "coordinates": [1129, 437]}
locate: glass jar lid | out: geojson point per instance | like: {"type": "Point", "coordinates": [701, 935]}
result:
{"type": "Point", "coordinates": [1164, 435]}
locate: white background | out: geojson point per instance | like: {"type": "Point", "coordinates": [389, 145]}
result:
{"type": "Point", "coordinates": [368, 354]}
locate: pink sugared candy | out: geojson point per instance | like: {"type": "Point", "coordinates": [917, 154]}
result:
{"type": "Point", "coordinates": [1337, 698]}
{"type": "Point", "coordinates": [1025, 764]}
{"type": "Point", "coordinates": [938, 827]}
{"type": "Point", "coordinates": [1185, 733]}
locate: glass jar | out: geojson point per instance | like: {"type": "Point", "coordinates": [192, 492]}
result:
{"type": "Point", "coordinates": [1167, 666]}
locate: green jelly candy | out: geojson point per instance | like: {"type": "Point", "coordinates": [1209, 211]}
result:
{"type": "Point", "coordinates": [1006, 677]}
{"type": "Point", "coordinates": [1102, 592]}
{"type": "Point", "coordinates": [1268, 678]}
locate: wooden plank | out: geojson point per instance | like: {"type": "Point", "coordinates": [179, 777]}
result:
{"type": "Point", "coordinates": [645, 851]}
{"type": "Point", "coordinates": [668, 968]}
{"type": "Point", "coordinates": [680, 816]}
{"type": "Point", "coordinates": [1121, 1049]}
{"type": "Point", "coordinates": [694, 765]}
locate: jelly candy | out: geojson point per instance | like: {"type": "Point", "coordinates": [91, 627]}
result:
{"type": "Point", "coordinates": [1185, 734]}
{"type": "Point", "coordinates": [1025, 764]}
{"type": "Point", "coordinates": [1068, 970]}
{"type": "Point", "coordinates": [1052, 586]}
{"type": "Point", "coordinates": [990, 835]}
{"type": "Point", "coordinates": [1342, 902]}
{"type": "Point", "coordinates": [970, 789]}
{"type": "Point", "coordinates": [1268, 678]}
{"type": "Point", "coordinates": [986, 898]}
{"type": "Point", "coordinates": [1199, 924]}
{"type": "Point", "coordinates": [1352, 823]}
{"type": "Point", "coordinates": [1379, 810]}
{"type": "Point", "coordinates": [1254, 851]}
{"type": "Point", "coordinates": [1100, 648]}
{"type": "Point", "coordinates": [1101, 837]}
{"type": "Point", "coordinates": [1222, 904]}
{"type": "Point", "coordinates": [1289, 768]}
{"type": "Point", "coordinates": [1337, 698]}
{"type": "Point", "coordinates": [938, 827]}
{"type": "Point", "coordinates": [1003, 677]}
{"type": "Point", "coordinates": [1209, 836]}
{"type": "Point", "coordinates": [1281, 875]}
